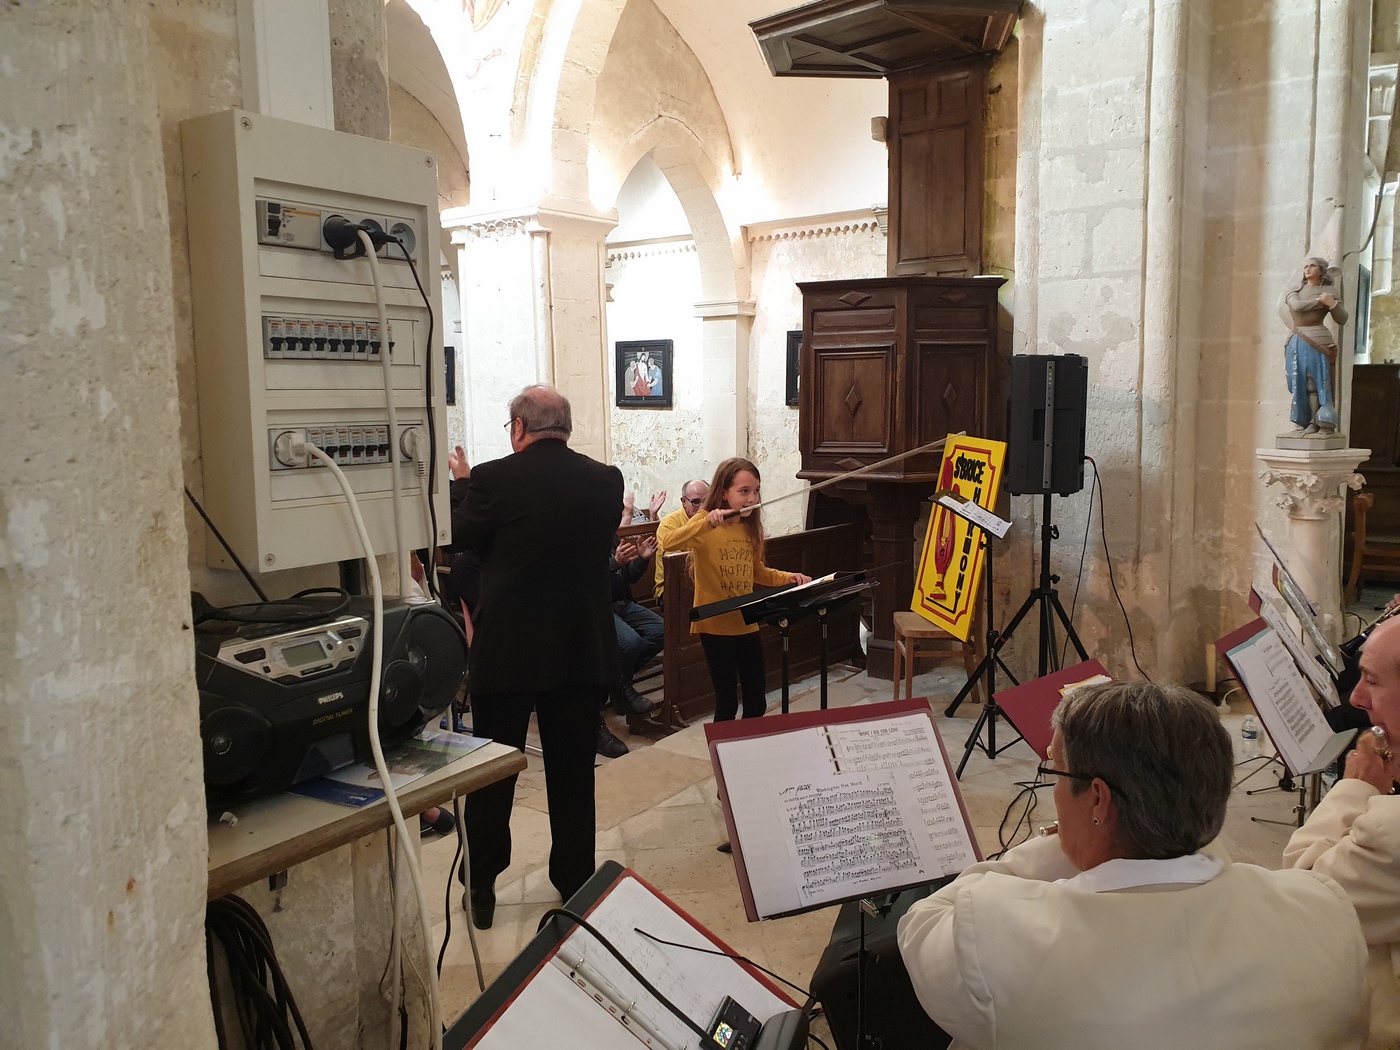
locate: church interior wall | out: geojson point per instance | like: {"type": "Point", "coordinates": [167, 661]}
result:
{"type": "Point", "coordinates": [93, 563]}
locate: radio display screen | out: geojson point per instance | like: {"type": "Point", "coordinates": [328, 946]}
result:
{"type": "Point", "coordinates": [303, 653]}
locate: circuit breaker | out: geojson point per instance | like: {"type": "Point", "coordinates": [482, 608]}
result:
{"type": "Point", "coordinates": [288, 343]}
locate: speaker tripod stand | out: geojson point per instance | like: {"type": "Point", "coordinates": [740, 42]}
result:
{"type": "Point", "coordinates": [1047, 599]}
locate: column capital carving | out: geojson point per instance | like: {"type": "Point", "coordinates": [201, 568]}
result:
{"type": "Point", "coordinates": [1312, 482]}
{"type": "Point", "coordinates": [725, 309]}
{"type": "Point", "coordinates": [547, 215]}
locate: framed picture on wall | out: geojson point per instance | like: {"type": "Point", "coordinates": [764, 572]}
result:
{"type": "Point", "coordinates": [644, 373]}
{"type": "Point", "coordinates": [794, 366]}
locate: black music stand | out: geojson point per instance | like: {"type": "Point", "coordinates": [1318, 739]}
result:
{"type": "Point", "coordinates": [784, 606]}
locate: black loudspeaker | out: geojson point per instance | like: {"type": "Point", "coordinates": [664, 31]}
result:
{"type": "Point", "coordinates": [1045, 424]}
{"type": "Point", "coordinates": [893, 1014]}
{"type": "Point", "coordinates": [280, 703]}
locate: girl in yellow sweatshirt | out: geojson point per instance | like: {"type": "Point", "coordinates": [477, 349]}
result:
{"type": "Point", "coordinates": [726, 558]}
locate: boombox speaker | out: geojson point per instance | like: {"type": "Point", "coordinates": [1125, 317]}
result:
{"type": "Point", "coordinates": [279, 704]}
{"type": "Point", "coordinates": [1045, 424]}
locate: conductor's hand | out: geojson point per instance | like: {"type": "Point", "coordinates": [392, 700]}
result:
{"type": "Point", "coordinates": [1365, 763]}
{"type": "Point", "coordinates": [625, 554]}
{"type": "Point", "coordinates": [801, 577]}
{"type": "Point", "coordinates": [457, 465]}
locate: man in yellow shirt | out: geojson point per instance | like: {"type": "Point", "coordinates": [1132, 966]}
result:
{"type": "Point", "coordinates": [693, 494]}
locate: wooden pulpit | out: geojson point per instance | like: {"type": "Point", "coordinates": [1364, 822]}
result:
{"type": "Point", "coordinates": [889, 364]}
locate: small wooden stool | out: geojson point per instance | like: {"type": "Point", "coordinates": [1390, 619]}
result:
{"type": "Point", "coordinates": [912, 633]}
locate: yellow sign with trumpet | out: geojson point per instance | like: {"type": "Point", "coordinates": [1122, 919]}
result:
{"type": "Point", "coordinates": [945, 586]}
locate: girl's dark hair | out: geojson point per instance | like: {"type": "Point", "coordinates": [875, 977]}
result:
{"type": "Point", "coordinates": [714, 500]}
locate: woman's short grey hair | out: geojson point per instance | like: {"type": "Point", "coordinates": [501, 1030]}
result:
{"type": "Point", "coordinates": [543, 410]}
{"type": "Point", "coordinates": [1163, 753]}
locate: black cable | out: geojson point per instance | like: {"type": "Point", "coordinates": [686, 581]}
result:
{"type": "Point", "coordinates": [451, 882]}
{"type": "Point", "coordinates": [429, 571]}
{"type": "Point", "coordinates": [283, 610]}
{"type": "Point", "coordinates": [1079, 577]}
{"type": "Point", "coordinates": [263, 1001]}
{"type": "Point", "coordinates": [728, 955]}
{"type": "Point", "coordinates": [578, 920]}
{"type": "Point", "coordinates": [1028, 791]}
{"type": "Point", "coordinates": [220, 537]}
{"type": "Point", "coordinates": [814, 1039]}
{"type": "Point", "coordinates": [1103, 527]}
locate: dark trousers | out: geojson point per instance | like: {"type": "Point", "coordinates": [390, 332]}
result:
{"type": "Point", "coordinates": [568, 723]}
{"type": "Point", "coordinates": [640, 636]}
{"type": "Point", "coordinates": [731, 657]}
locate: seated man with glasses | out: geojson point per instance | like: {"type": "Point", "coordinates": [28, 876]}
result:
{"type": "Point", "coordinates": [693, 494]}
{"type": "Point", "coordinates": [1118, 930]}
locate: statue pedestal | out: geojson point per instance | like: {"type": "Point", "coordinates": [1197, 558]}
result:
{"type": "Point", "coordinates": [1311, 491]}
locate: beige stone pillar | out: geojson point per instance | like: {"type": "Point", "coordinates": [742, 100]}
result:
{"type": "Point", "coordinates": [725, 415]}
{"type": "Point", "coordinates": [532, 287]}
{"type": "Point", "coordinates": [1311, 484]}
{"type": "Point", "coordinates": [103, 851]}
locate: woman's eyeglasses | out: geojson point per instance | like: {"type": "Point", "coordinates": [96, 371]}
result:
{"type": "Point", "coordinates": [1042, 771]}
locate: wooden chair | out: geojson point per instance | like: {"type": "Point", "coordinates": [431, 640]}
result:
{"type": "Point", "coordinates": [915, 638]}
{"type": "Point", "coordinates": [1373, 550]}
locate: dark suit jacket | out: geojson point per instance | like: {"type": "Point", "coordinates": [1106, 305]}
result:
{"type": "Point", "coordinates": [542, 522]}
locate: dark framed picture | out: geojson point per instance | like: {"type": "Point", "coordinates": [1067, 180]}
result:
{"type": "Point", "coordinates": [794, 366]}
{"type": "Point", "coordinates": [449, 362]}
{"type": "Point", "coordinates": [644, 373]}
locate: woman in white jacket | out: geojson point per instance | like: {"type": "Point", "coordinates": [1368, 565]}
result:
{"type": "Point", "coordinates": [1118, 931]}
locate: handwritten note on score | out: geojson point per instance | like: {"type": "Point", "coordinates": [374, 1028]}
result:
{"type": "Point", "coordinates": [830, 812]}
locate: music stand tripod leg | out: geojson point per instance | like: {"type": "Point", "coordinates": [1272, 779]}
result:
{"type": "Point", "coordinates": [783, 630]}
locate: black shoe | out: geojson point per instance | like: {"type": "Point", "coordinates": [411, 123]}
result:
{"type": "Point", "coordinates": [609, 746]}
{"type": "Point", "coordinates": [481, 903]}
{"type": "Point", "coordinates": [724, 847]}
{"type": "Point", "coordinates": [627, 701]}
{"type": "Point", "coordinates": [445, 824]}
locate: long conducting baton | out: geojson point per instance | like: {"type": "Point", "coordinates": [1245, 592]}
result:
{"type": "Point", "coordinates": [849, 474]}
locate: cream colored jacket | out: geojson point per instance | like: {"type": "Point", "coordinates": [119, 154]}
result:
{"type": "Point", "coordinates": [1007, 957]}
{"type": "Point", "coordinates": [1354, 837]}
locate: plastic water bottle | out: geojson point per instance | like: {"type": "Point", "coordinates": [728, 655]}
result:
{"type": "Point", "coordinates": [1249, 737]}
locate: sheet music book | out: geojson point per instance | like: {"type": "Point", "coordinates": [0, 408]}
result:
{"type": "Point", "coordinates": [578, 995]}
{"type": "Point", "coordinates": [1028, 706]}
{"type": "Point", "coordinates": [1291, 717]}
{"type": "Point", "coordinates": [830, 806]}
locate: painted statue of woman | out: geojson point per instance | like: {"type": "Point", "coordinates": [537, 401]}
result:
{"type": "Point", "coordinates": [1310, 356]}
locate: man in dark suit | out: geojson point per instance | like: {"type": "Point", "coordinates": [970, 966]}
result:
{"type": "Point", "coordinates": [542, 522]}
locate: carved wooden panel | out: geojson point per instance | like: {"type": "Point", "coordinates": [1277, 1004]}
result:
{"type": "Point", "coordinates": [951, 390]}
{"type": "Point", "coordinates": [853, 386]}
{"type": "Point", "coordinates": [936, 165]}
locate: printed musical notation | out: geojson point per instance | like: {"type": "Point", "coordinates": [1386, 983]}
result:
{"type": "Point", "coordinates": [907, 743]}
{"type": "Point", "coordinates": [841, 810]}
{"type": "Point", "coordinates": [848, 832]}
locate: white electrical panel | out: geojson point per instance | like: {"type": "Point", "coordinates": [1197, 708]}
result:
{"type": "Point", "coordinates": [288, 344]}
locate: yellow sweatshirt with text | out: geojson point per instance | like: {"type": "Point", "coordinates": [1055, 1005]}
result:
{"type": "Point", "coordinates": [725, 567]}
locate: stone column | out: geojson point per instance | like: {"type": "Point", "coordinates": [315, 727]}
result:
{"type": "Point", "coordinates": [532, 312]}
{"type": "Point", "coordinates": [725, 411]}
{"type": "Point", "coordinates": [103, 867]}
{"type": "Point", "coordinates": [1311, 484]}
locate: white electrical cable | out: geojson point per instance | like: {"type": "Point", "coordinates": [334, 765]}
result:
{"type": "Point", "coordinates": [401, 552]}
{"type": "Point", "coordinates": [466, 891]}
{"type": "Point", "coordinates": [406, 855]}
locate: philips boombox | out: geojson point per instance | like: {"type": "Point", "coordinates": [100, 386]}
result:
{"type": "Point", "coordinates": [279, 704]}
